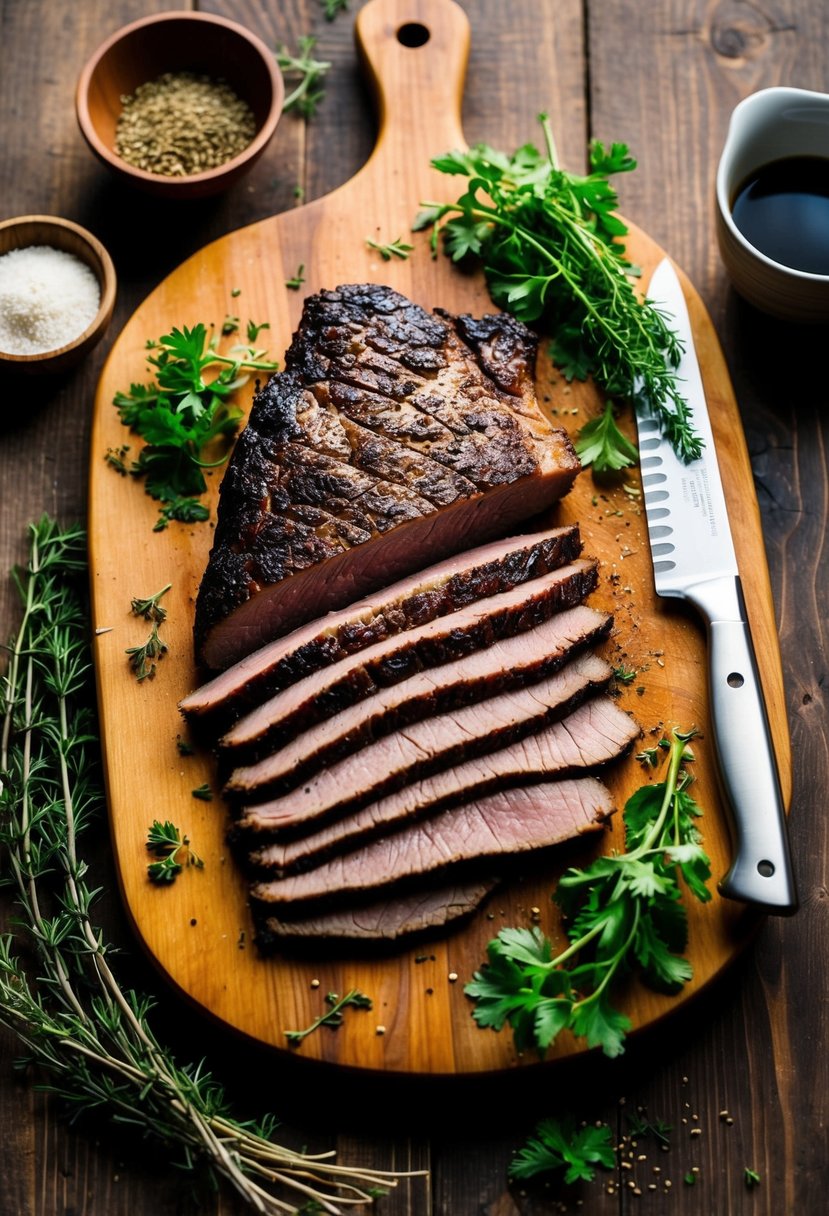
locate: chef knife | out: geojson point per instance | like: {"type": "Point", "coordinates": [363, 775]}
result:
{"type": "Point", "coordinates": [694, 560]}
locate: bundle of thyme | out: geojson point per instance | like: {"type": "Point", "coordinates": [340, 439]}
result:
{"type": "Point", "coordinates": [92, 1039]}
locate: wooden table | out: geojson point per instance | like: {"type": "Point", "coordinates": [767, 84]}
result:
{"type": "Point", "coordinates": [745, 1065]}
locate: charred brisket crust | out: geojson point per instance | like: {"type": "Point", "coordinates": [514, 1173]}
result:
{"type": "Point", "coordinates": [520, 566]}
{"type": "Point", "coordinates": [287, 503]}
{"type": "Point", "coordinates": [383, 671]}
{"type": "Point", "coordinates": [439, 700]}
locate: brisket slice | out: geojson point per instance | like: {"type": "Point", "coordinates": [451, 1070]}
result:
{"type": "Point", "coordinates": [383, 920]}
{"type": "Point", "coordinates": [394, 437]}
{"type": "Point", "coordinates": [420, 749]}
{"type": "Point", "coordinates": [501, 825]}
{"type": "Point", "coordinates": [345, 683]}
{"type": "Point", "coordinates": [508, 663]}
{"type": "Point", "coordinates": [431, 593]}
{"type": "Point", "coordinates": [594, 734]}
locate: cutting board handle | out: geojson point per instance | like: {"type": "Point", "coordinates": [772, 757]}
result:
{"type": "Point", "coordinates": [414, 54]}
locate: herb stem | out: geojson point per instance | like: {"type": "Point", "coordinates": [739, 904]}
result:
{"type": "Point", "coordinates": [90, 1036]}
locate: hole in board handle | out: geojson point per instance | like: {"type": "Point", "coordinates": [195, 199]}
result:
{"type": "Point", "coordinates": [735, 680]}
{"type": "Point", "coordinates": [765, 868]}
{"type": "Point", "coordinates": [413, 34]}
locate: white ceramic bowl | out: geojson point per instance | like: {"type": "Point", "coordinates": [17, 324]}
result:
{"type": "Point", "coordinates": [768, 126]}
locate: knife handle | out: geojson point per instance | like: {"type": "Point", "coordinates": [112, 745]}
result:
{"type": "Point", "coordinates": [761, 870]}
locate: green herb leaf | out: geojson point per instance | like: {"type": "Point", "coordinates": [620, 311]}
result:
{"type": "Point", "coordinates": [332, 7]}
{"type": "Point", "coordinates": [395, 249]}
{"type": "Point", "coordinates": [304, 73]}
{"type": "Point", "coordinates": [180, 414]}
{"type": "Point", "coordinates": [601, 444]}
{"type": "Point", "coordinates": [333, 1016]}
{"type": "Point", "coordinates": [551, 251]}
{"type": "Point", "coordinates": [165, 840]}
{"type": "Point", "coordinates": [559, 1145]}
{"type": "Point", "coordinates": [623, 911]}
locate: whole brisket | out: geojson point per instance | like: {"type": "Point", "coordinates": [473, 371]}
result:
{"type": "Point", "coordinates": [393, 437]}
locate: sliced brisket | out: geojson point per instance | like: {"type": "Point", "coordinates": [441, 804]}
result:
{"type": "Point", "coordinates": [420, 749]}
{"type": "Point", "coordinates": [437, 591]}
{"type": "Point", "coordinates": [345, 683]}
{"type": "Point", "coordinates": [504, 824]}
{"type": "Point", "coordinates": [392, 438]}
{"type": "Point", "coordinates": [384, 920]}
{"type": "Point", "coordinates": [509, 663]}
{"type": "Point", "coordinates": [594, 734]}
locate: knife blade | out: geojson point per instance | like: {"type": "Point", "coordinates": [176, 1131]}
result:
{"type": "Point", "coordinates": [694, 559]}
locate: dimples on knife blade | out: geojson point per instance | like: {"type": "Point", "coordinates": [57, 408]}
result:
{"type": "Point", "coordinates": [694, 559]}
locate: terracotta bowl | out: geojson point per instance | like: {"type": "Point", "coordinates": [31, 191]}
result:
{"type": "Point", "coordinates": [62, 234]}
{"type": "Point", "coordinates": [178, 42]}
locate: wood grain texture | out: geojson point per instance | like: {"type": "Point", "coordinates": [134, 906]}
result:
{"type": "Point", "coordinates": [194, 930]}
{"type": "Point", "coordinates": [753, 1044]}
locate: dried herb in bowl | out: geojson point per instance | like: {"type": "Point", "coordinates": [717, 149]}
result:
{"type": "Point", "coordinates": [182, 123]}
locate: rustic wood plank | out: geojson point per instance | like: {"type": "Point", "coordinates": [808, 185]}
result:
{"type": "Point", "coordinates": [702, 60]}
{"type": "Point", "coordinates": [777, 996]}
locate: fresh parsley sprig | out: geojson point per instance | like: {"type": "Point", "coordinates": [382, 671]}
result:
{"type": "Point", "coordinates": [550, 245]}
{"type": "Point", "coordinates": [167, 843]}
{"type": "Point", "coordinates": [623, 911]}
{"type": "Point", "coordinates": [558, 1144]}
{"type": "Point", "coordinates": [181, 412]}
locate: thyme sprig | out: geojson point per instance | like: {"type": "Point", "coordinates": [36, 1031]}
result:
{"type": "Point", "coordinates": [304, 73]}
{"type": "Point", "coordinates": [92, 1038]}
{"type": "Point", "coordinates": [550, 245]}
{"type": "Point", "coordinates": [142, 658]}
{"type": "Point", "coordinates": [624, 911]}
{"type": "Point", "coordinates": [333, 1016]}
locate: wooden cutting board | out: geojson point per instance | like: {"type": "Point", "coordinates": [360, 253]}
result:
{"type": "Point", "coordinates": [198, 930]}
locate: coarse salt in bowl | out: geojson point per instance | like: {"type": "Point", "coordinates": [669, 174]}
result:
{"type": "Point", "coordinates": [57, 293]}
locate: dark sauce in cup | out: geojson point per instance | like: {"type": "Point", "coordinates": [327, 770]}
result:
{"type": "Point", "coordinates": [782, 209]}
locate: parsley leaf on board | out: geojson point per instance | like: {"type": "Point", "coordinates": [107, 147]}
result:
{"type": "Point", "coordinates": [623, 911]}
{"type": "Point", "coordinates": [180, 413]}
{"type": "Point", "coordinates": [394, 249]}
{"type": "Point", "coordinates": [549, 243]}
{"type": "Point", "coordinates": [166, 842]}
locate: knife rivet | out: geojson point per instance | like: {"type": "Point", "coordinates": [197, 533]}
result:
{"type": "Point", "coordinates": [735, 680]}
